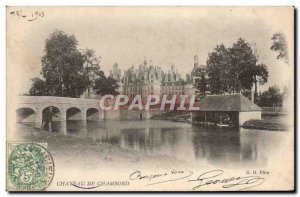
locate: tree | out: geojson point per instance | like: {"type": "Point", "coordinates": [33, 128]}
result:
{"type": "Point", "coordinates": [217, 68]}
{"type": "Point", "coordinates": [243, 65]}
{"type": "Point", "coordinates": [271, 98]}
{"type": "Point", "coordinates": [62, 66]}
{"type": "Point", "coordinates": [68, 71]}
{"type": "Point", "coordinates": [91, 69]}
{"type": "Point", "coordinates": [235, 69]}
{"type": "Point", "coordinates": [38, 87]}
{"type": "Point", "coordinates": [249, 71]}
{"type": "Point", "coordinates": [201, 81]}
{"type": "Point", "coordinates": [260, 77]}
{"type": "Point", "coordinates": [105, 85]}
{"type": "Point", "coordinates": [280, 46]}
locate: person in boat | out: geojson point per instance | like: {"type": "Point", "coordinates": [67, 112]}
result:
{"type": "Point", "coordinates": [227, 120]}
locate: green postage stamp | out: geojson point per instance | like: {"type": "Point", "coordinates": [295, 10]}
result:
{"type": "Point", "coordinates": [29, 167]}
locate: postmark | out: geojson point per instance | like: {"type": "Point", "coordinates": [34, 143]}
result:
{"type": "Point", "coordinates": [30, 167]}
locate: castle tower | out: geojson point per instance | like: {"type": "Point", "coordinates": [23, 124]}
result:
{"type": "Point", "coordinates": [196, 61]}
{"type": "Point", "coordinates": [145, 62]}
{"type": "Point", "coordinates": [150, 63]}
{"type": "Point", "coordinates": [172, 69]}
{"type": "Point", "coordinates": [116, 73]}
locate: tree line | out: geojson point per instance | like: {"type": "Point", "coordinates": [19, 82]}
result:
{"type": "Point", "coordinates": [68, 71]}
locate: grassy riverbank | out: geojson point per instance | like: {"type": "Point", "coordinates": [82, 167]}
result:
{"type": "Point", "coordinates": [273, 124]}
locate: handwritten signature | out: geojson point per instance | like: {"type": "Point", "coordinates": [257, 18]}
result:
{"type": "Point", "coordinates": [213, 177]}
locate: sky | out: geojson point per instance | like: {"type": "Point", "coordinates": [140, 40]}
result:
{"type": "Point", "coordinates": [164, 35]}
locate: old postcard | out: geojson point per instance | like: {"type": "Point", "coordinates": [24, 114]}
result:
{"type": "Point", "coordinates": [150, 99]}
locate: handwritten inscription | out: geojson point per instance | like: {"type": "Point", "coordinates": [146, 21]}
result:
{"type": "Point", "coordinates": [213, 177]}
{"type": "Point", "coordinates": [173, 175]}
{"type": "Point", "coordinates": [29, 16]}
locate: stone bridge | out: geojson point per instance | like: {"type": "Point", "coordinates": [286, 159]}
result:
{"type": "Point", "coordinates": [34, 108]}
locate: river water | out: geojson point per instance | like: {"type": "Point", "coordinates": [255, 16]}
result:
{"type": "Point", "coordinates": [179, 140]}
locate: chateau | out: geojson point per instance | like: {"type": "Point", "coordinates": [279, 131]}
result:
{"type": "Point", "coordinates": [149, 79]}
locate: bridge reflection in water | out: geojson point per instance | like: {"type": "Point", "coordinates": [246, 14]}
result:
{"type": "Point", "coordinates": [178, 140]}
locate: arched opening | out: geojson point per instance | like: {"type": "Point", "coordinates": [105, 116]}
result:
{"type": "Point", "coordinates": [52, 113]}
{"type": "Point", "coordinates": [92, 114]}
{"type": "Point", "coordinates": [25, 115]}
{"type": "Point", "coordinates": [141, 116]}
{"type": "Point", "coordinates": [73, 113]}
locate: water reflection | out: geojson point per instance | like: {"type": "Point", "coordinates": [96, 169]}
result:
{"type": "Point", "coordinates": [179, 140]}
{"type": "Point", "coordinates": [217, 144]}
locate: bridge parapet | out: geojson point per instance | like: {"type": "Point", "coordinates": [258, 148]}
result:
{"type": "Point", "coordinates": [56, 100]}
{"type": "Point", "coordinates": [31, 108]}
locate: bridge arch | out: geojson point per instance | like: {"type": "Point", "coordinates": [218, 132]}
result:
{"type": "Point", "coordinates": [56, 114]}
{"type": "Point", "coordinates": [25, 114]}
{"type": "Point", "coordinates": [73, 113]}
{"type": "Point", "coordinates": [92, 114]}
